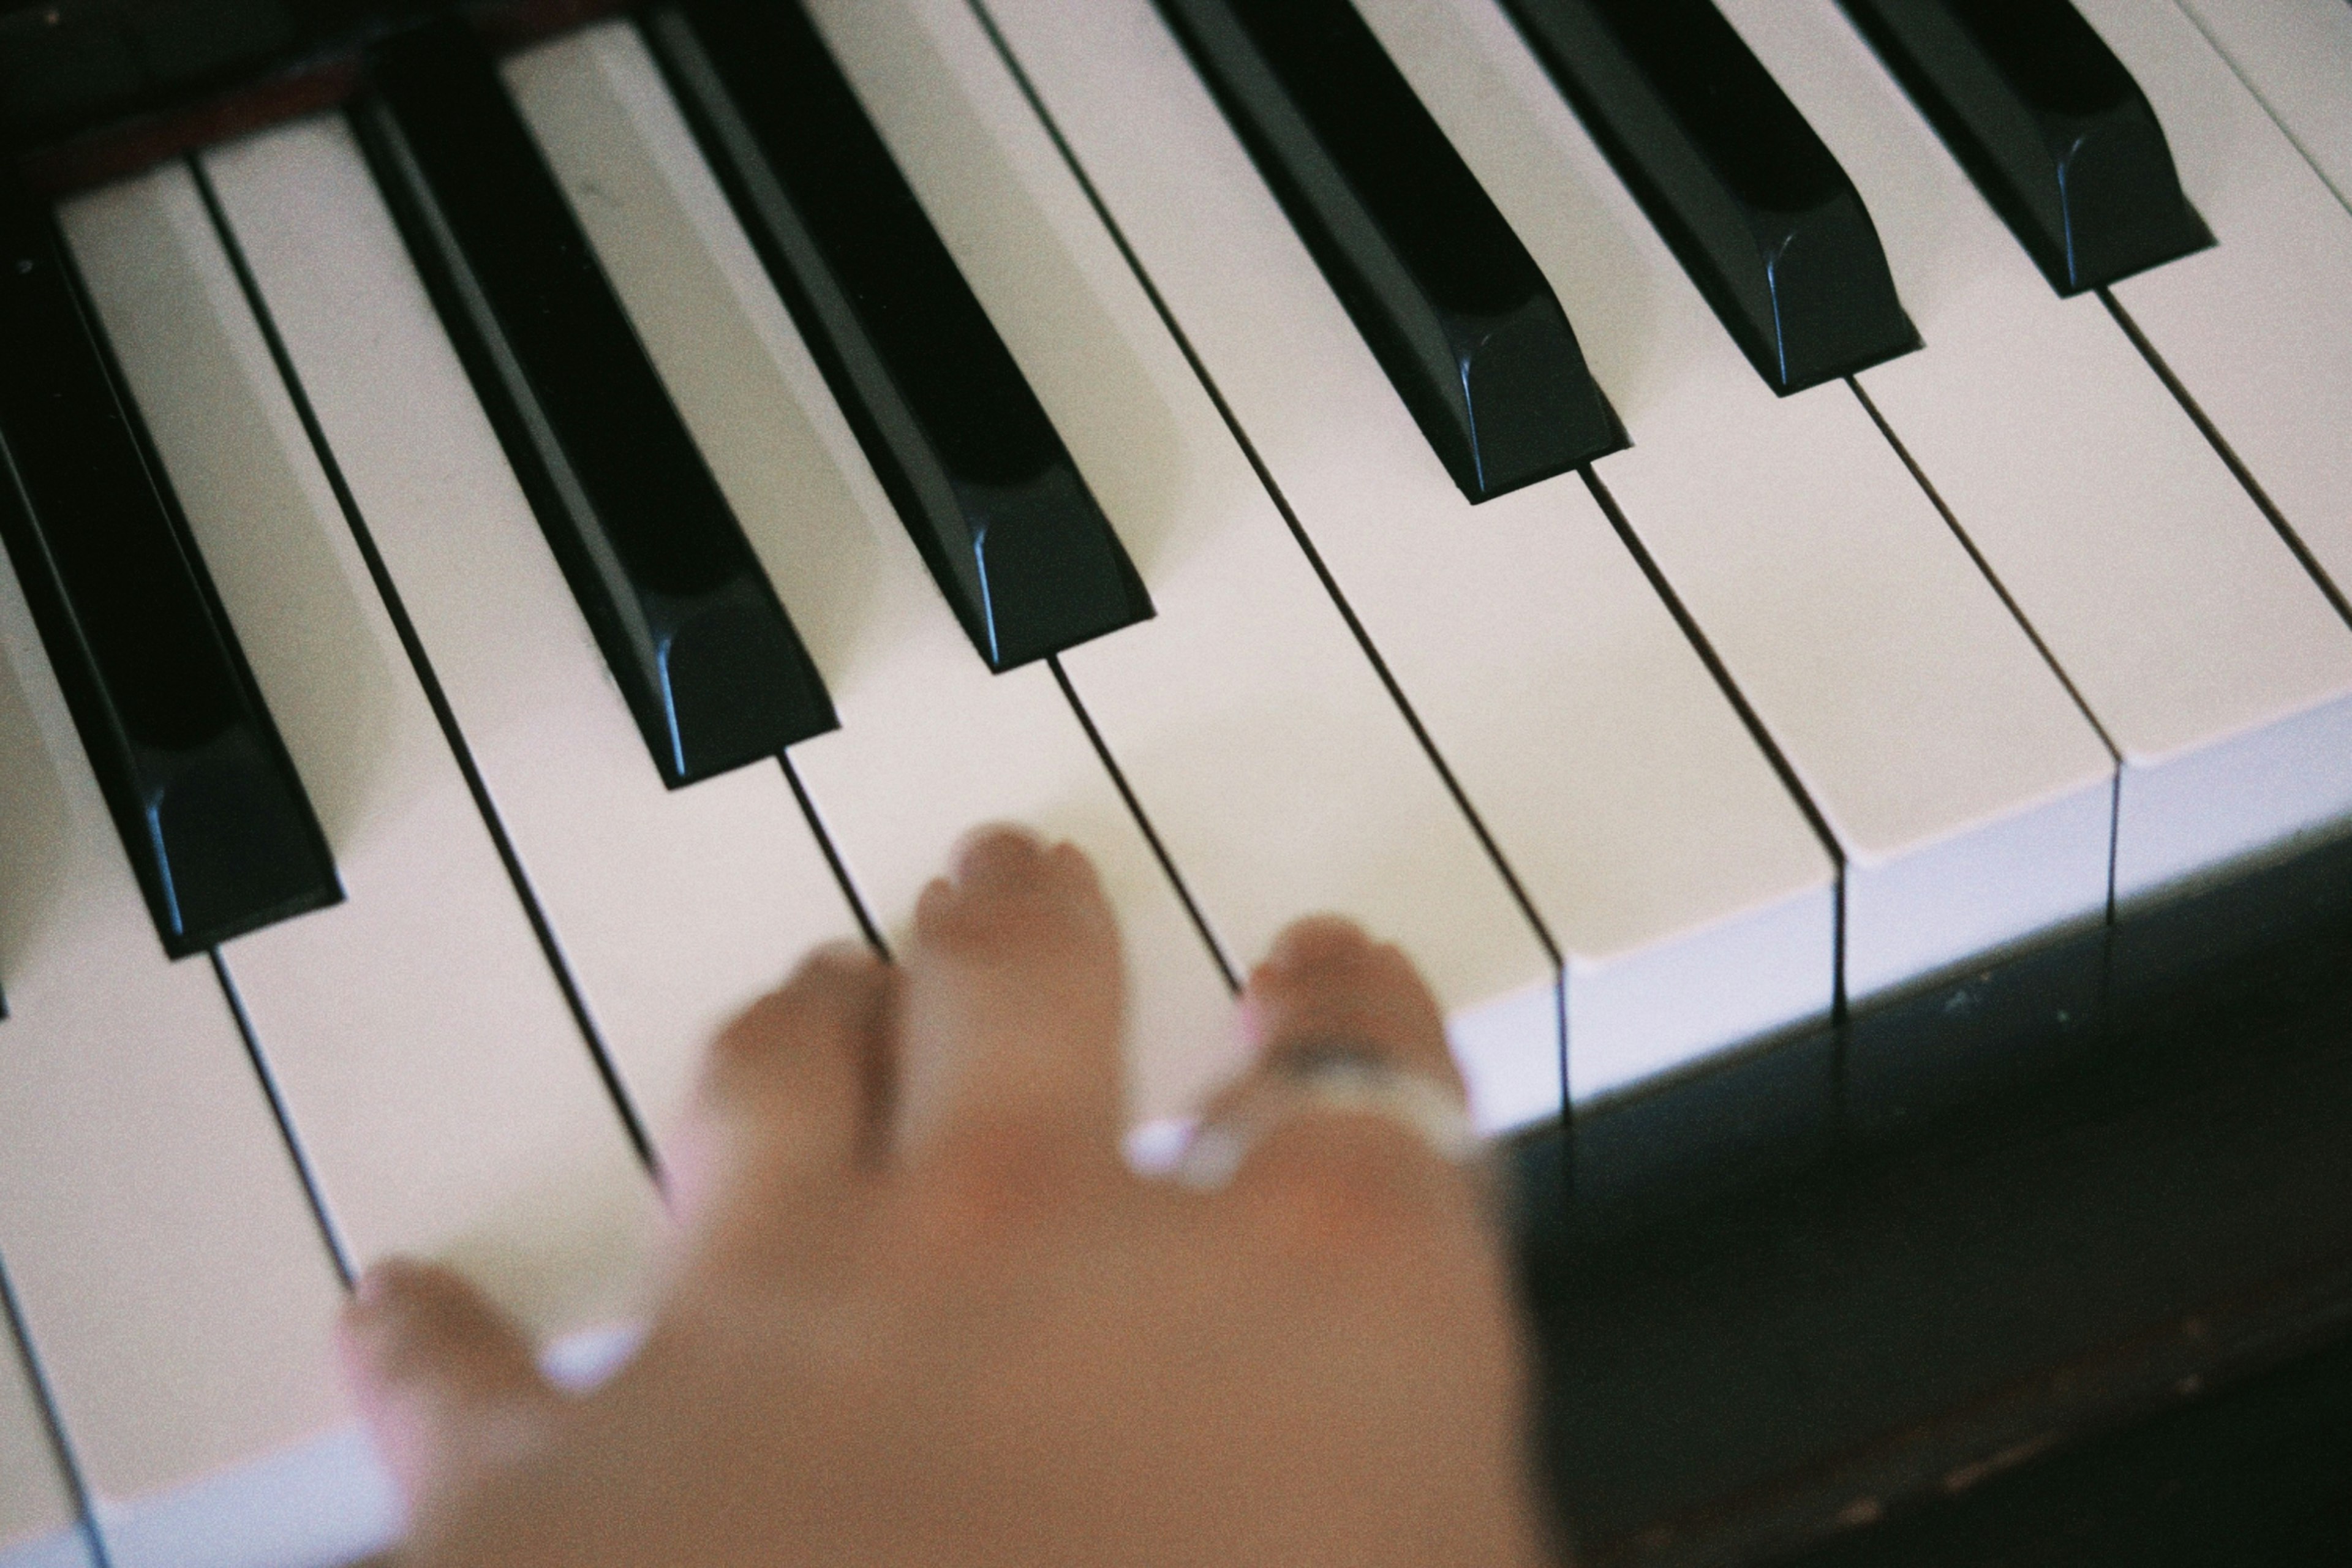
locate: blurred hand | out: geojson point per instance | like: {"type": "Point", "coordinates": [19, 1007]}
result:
{"type": "Point", "coordinates": [919, 1313]}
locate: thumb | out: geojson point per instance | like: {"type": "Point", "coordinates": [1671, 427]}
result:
{"type": "Point", "coordinates": [444, 1384]}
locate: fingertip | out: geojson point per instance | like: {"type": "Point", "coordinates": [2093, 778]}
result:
{"type": "Point", "coordinates": [993, 853]}
{"type": "Point", "coordinates": [844, 956]}
{"type": "Point", "coordinates": [407, 1319]}
{"type": "Point", "coordinates": [379, 1319]}
{"type": "Point", "coordinates": [788, 1101]}
{"type": "Point", "coordinates": [1327, 981]}
{"type": "Point", "coordinates": [1014, 994]}
{"type": "Point", "coordinates": [1314, 941]}
{"type": "Point", "coordinates": [443, 1381]}
{"type": "Point", "coordinates": [377, 1285]}
{"type": "Point", "coordinates": [1070, 860]}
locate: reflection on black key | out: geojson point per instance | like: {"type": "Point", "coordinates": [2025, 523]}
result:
{"type": "Point", "coordinates": [1001, 515]}
{"type": "Point", "coordinates": [1761, 216]}
{"type": "Point", "coordinates": [1442, 289]}
{"type": "Point", "coordinates": [218, 830]}
{"type": "Point", "coordinates": [2049, 124]}
{"type": "Point", "coordinates": [689, 625]}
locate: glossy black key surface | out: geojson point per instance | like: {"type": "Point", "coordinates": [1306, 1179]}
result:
{"type": "Point", "coordinates": [218, 830]}
{"type": "Point", "coordinates": [2049, 124]}
{"type": "Point", "coordinates": [690, 623]}
{"type": "Point", "coordinates": [1758, 211]}
{"type": "Point", "coordinates": [1443, 292]}
{"type": "Point", "coordinates": [982, 482]}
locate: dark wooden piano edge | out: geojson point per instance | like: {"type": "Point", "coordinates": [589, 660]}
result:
{"type": "Point", "coordinates": [2128, 1187]}
{"type": "Point", "coordinates": [316, 68]}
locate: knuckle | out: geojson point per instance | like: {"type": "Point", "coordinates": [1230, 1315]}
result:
{"type": "Point", "coordinates": [989, 1179]}
{"type": "Point", "coordinates": [832, 994]}
{"type": "Point", "coordinates": [1345, 1187]}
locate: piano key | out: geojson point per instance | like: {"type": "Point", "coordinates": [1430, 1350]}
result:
{"type": "Point", "coordinates": [428, 1061]}
{"type": "Point", "coordinates": [2258, 329]}
{"type": "Point", "coordinates": [674, 909]}
{"type": "Point", "coordinates": [39, 1520]}
{"type": "Point", "coordinates": [2208, 656]}
{"type": "Point", "coordinates": [931, 742]}
{"type": "Point", "coordinates": [986, 489]}
{"type": "Point", "coordinates": [69, 1550]}
{"type": "Point", "coordinates": [1691, 901]}
{"type": "Point", "coordinates": [158, 1238]}
{"type": "Point", "coordinates": [1761, 216]}
{"type": "Point", "coordinates": [1442, 290]}
{"type": "Point", "coordinates": [1972, 799]}
{"type": "Point", "coordinates": [1244, 710]}
{"type": "Point", "coordinates": [2057, 134]}
{"type": "Point", "coordinates": [692, 632]}
{"type": "Point", "coordinates": [208, 806]}
{"type": "Point", "coordinates": [2296, 56]}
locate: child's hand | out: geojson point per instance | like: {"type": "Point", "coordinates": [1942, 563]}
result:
{"type": "Point", "coordinates": [921, 1313]}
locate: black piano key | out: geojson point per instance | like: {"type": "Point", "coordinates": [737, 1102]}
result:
{"type": "Point", "coordinates": [2049, 124]}
{"type": "Point", "coordinates": [1759, 213]}
{"type": "Point", "coordinates": [218, 830]}
{"type": "Point", "coordinates": [1443, 292]}
{"type": "Point", "coordinates": [982, 482]}
{"type": "Point", "coordinates": [690, 623]}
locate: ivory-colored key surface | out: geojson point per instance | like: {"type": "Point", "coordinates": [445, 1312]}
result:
{"type": "Point", "coordinates": [1971, 797]}
{"type": "Point", "coordinates": [673, 909]}
{"type": "Point", "coordinates": [1266, 753]}
{"type": "Point", "coordinates": [2207, 654]}
{"type": "Point", "coordinates": [2296, 56]}
{"type": "Point", "coordinates": [38, 1519]}
{"type": "Point", "coordinates": [153, 1224]}
{"type": "Point", "coordinates": [931, 744]}
{"type": "Point", "coordinates": [434, 1076]}
{"type": "Point", "coordinates": [2258, 328]}
{"type": "Point", "coordinates": [1692, 903]}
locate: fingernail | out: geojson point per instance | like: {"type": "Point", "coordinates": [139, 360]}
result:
{"type": "Point", "coordinates": [845, 953]}
{"type": "Point", "coordinates": [382, 1283]}
{"type": "Point", "coordinates": [1317, 939]}
{"type": "Point", "coordinates": [1009, 841]}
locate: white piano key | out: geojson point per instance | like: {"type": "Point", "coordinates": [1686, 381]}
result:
{"type": "Point", "coordinates": [39, 1520]}
{"type": "Point", "coordinates": [155, 1229]}
{"type": "Point", "coordinates": [1276, 770]}
{"type": "Point", "coordinates": [931, 744]}
{"type": "Point", "coordinates": [65, 1549]}
{"type": "Point", "coordinates": [1692, 901]}
{"type": "Point", "coordinates": [2258, 328]}
{"type": "Point", "coordinates": [324, 1502]}
{"type": "Point", "coordinates": [2296, 56]}
{"type": "Point", "coordinates": [1971, 797]}
{"type": "Point", "coordinates": [433, 1072]}
{"type": "Point", "coordinates": [68, 1550]}
{"type": "Point", "coordinates": [2207, 654]}
{"type": "Point", "coordinates": [674, 908]}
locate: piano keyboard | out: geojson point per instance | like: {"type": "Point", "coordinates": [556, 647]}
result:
{"type": "Point", "coordinates": [1677, 645]}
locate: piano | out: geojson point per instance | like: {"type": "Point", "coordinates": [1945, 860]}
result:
{"type": "Point", "coordinates": [1794, 553]}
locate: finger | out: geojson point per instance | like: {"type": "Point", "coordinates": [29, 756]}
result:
{"type": "Point", "coordinates": [1325, 983]}
{"type": "Point", "coordinates": [786, 1108]}
{"type": "Point", "coordinates": [1014, 1002]}
{"type": "Point", "coordinates": [1327, 988]}
{"type": "Point", "coordinates": [446, 1385]}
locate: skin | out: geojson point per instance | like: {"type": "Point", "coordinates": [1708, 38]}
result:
{"type": "Point", "coordinates": [917, 1310]}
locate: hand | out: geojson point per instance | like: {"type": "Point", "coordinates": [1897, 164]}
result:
{"type": "Point", "coordinates": [919, 1313]}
